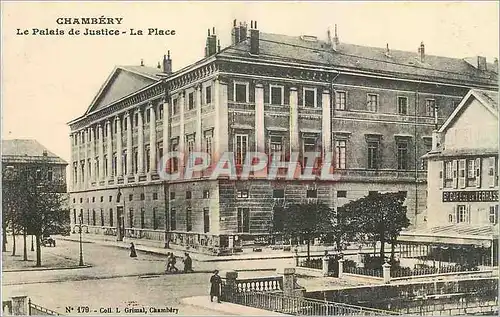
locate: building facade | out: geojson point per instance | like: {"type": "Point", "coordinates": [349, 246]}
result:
{"type": "Point", "coordinates": [373, 110]}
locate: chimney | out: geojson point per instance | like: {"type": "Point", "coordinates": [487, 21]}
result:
{"type": "Point", "coordinates": [211, 44]}
{"type": "Point", "coordinates": [331, 41]}
{"type": "Point", "coordinates": [235, 34]}
{"type": "Point", "coordinates": [167, 64]}
{"type": "Point", "coordinates": [243, 31]}
{"type": "Point", "coordinates": [436, 140]}
{"type": "Point", "coordinates": [421, 52]}
{"type": "Point", "coordinates": [481, 63]}
{"type": "Point", "coordinates": [218, 46]}
{"type": "Point", "coordinates": [336, 37]}
{"type": "Point", "coordinates": [44, 153]}
{"type": "Point", "coordinates": [495, 65]}
{"type": "Point", "coordinates": [254, 38]}
{"type": "Point", "coordinates": [142, 62]}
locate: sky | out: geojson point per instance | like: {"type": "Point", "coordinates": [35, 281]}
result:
{"type": "Point", "coordinates": [49, 80]}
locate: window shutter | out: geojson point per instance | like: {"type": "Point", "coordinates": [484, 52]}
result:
{"type": "Point", "coordinates": [467, 214]}
{"type": "Point", "coordinates": [441, 175]}
{"type": "Point", "coordinates": [477, 165]}
{"type": "Point", "coordinates": [462, 173]}
{"type": "Point", "coordinates": [455, 174]}
{"type": "Point", "coordinates": [453, 214]}
{"type": "Point", "coordinates": [491, 171]}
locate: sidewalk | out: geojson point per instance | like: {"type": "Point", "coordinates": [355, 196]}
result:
{"type": "Point", "coordinates": [265, 255]}
{"type": "Point", "coordinates": [227, 308]}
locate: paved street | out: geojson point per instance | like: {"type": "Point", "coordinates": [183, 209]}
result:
{"type": "Point", "coordinates": [116, 280]}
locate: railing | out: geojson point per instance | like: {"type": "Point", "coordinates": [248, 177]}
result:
{"type": "Point", "coordinates": [150, 234]}
{"type": "Point", "coordinates": [281, 303]}
{"type": "Point", "coordinates": [313, 263]}
{"type": "Point", "coordinates": [363, 271]}
{"type": "Point", "coordinates": [406, 271]}
{"type": "Point", "coordinates": [36, 310]}
{"type": "Point", "coordinates": [260, 284]}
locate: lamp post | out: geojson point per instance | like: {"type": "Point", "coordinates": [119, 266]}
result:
{"type": "Point", "coordinates": [81, 246]}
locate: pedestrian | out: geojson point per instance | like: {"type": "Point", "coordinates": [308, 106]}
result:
{"type": "Point", "coordinates": [133, 253]}
{"type": "Point", "coordinates": [172, 263]}
{"type": "Point", "coordinates": [215, 285]}
{"type": "Point", "coordinates": [168, 268]}
{"type": "Point", "coordinates": [188, 263]}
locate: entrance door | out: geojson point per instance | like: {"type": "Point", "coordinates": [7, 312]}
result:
{"type": "Point", "coordinates": [120, 223]}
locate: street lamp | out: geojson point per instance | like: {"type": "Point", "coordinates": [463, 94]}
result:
{"type": "Point", "coordinates": [81, 246]}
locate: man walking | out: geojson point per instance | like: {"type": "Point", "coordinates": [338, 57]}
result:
{"type": "Point", "coordinates": [188, 263]}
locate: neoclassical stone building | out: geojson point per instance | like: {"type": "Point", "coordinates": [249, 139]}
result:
{"type": "Point", "coordinates": [372, 109]}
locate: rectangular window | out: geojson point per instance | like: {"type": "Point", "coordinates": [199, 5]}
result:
{"type": "Point", "coordinates": [172, 195]}
{"type": "Point", "coordinates": [189, 223]}
{"type": "Point", "coordinates": [190, 149]}
{"type": "Point", "coordinates": [276, 146]}
{"type": "Point", "coordinates": [147, 158]}
{"type": "Point", "coordinates": [206, 219]}
{"type": "Point", "coordinates": [208, 95]}
{"type": "Point", "coordinates": [143, 197]}
{"type": "Point", "coordinates": [111, 217]}
{"type": "Point", "coordinates": [155, 221]}
{"type": "Point", "coordinates": [373, 149]}
{"type": "Point", "coordinates": [124, 161]}
{"type": "Point", "coordinates": [114, 162]}
{"type": "Point", "coordinates": [402, 155]}
{"type": "Point", "coordinates": [493, 214]}
{"type": "Point", "coordinates": [403, 105]}
{"type": "Point", "coordinates": [188, 194]}
{"type": "Point", "coordinates": [173, 219]}
{"type": "Point", "coordinates": [130, 197]}
{"type": "Point", "coordinates": [142, 218]}
{"type": "Point", "coordinates": [278, 193]}
{"type": "Point", "coordinates": [208, 145]}
{"type": "Point", "coordinates": [308, 145]}
{"type": "Point", "coordinates": [461, 173]}
{"type": "Point", "coordinates": [462, 214]}
{"type": "Point", "coordinates": [155, 196]}
{"type": "Point", "coordinates": [340, 100]}
{"type": "Point", "coordinates": [136, 119]}
{"type": "Point", "coordinates": [148, 114]}
{"type": "Point", "coordinates": [243, 220]}
{"type": "Point", "coordinates": [74, 216]}
{"type": "Point", "coordinates": [206, 194]}
{"type": "Point", "coordinates": [49, 174]}
{"type": "Point", "coordinates": [242, 193]}
{"type": "Point", "coordinates": [131, 217]}
{"type": "Point", "coordinates": [102, 218]}
{"type": "Point", "coordinates": [492, 172]}
{"type": "Point", "coordinates": [110, 198]}
{"type": "Point", "coordinates": [312, 193]}
{"type": "Point", "coordinates": [430, 107]}
{"type": "Point", "coordinates": [372, 102]}
{"type": "Point", "coordinates": [276, 95]}
{"type": "Point", "coordinates": [471, 174]}
{"type": "Point", "coordinates": [125, 124]}
{"type": "Point", "coordinates": [174, 162]}
{"type": "Point", "coordinates": [88, 216]}
{"type": "Point", "coordinates": [241, 92]}
{"type": "Point", "coordinates": [191, 101]}
{"type": "Point", "coordinates": [93, 217]}
{"type": "Point", "coordinates": [342, 194]}
{"type": "Point", "coordinates": [135, 160]}
{"type": "Point", "coordinates": [241, 148]}
{"type": "Point", "coordinates": [340, 154]}
{"type": "Point", "coordinates": [309, 97]}
{"type": "Point", "coordinates": [160, 111]}
{"type": "Point", "coordinates": [93, 199]}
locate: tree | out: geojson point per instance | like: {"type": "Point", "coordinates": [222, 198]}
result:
{"type": "Point", "coordinates": [381, 216]}
{"type": "Point", "coordinates": [306, 222]}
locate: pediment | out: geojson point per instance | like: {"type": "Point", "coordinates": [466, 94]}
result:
{"type": "Point", "coordinates": [122, 82]}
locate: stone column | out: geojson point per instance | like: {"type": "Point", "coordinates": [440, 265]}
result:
{"type": "Point", "coordinates": [100, 151]}
{"type": "Point", "coordinates": [79, 155]}
{"type": "Point", "coordinates": [140, 143]}
{"type": "Point", "coordinates": [86, 158]}
{"type": "Point", "coordinates": [198, 135]}
{"type": "Point", "coordinates": [326, 134]}
{"type": "Point", "coordinates": [166, 126]}
{"type": "Point", "coordinates": [182, 137]}
{"type": "Point", "coordinates": [259, 119]}
{"type": "Point", "coordinates": [20, 306]}
{"type": "Point", "coordinates": [288, 280]}
{"type": "Point", "coordinates": [341, 267]}
{"type": "Point", "coordinates": [231, 286]}
{"type": "Point", "coordinates": [93, 176]}
{"type": "Point", "coordinates": [109, 151]}
{"type": "Point", "coordinates": [72, 160]}
{"type": "Point", "coordinates": [119, 147]}
{"type": "Point", "coordinates": [386, 270]}
{"type": "Point", "coordinates": [324, 266]}
{"type": "Point", "coordinates": [294, 121]}
{"type": "Point", "coordinates": [129, 144]}
{"type": "Point", "coordinates": [152, 140]}
{"type": "Point", "coordinates": [221, 131]}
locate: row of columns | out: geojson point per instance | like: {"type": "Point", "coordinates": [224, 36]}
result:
{"type": "Point", "coordinates": [96, 171]}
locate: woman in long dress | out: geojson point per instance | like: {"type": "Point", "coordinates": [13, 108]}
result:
{"type": "Point", "coordinates": [215, 284]}
{"type": "Point", "coordinates": [133, 253]}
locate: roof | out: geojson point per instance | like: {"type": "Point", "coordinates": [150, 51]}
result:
{"type": "Point", "coordinates": [488, 99]}
{"type": "Point", "coordinates": [26, 151]}
{"type": "Point", "coordinates": [297, 49]}
{"type": "Point", "coordinates": [458, 234]}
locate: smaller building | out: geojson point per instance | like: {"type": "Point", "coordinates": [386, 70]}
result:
{"type": "Point", "coordinates": [462, 180]}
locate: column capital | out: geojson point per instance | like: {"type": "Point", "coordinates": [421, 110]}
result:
{"type": "Point", "coordinates": [259, 84]}
{"type": "Point", "coordinates": [326, 91]}
{"type": "Point", "coordinates": [197, 86]}
{"type": "Point", "coordinates": [293, 88]}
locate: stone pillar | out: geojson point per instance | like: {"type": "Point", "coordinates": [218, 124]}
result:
{"type": "Point", "coordinates": [93, 176]}
{"type": "Point", "coordinates": [140, 142]}
{"type": "Point", "coordinates": [152, 140]}
{"type": "Point", "coordinates": [221, 131]}
{"type": "Point", "coordinates": [109, 151]}
{"type": "Point", "coordinates": [86, 158]}
{"type": "Point", "coordinates": [166, 126]}
{"type": "Point", "coordinates": [288, 280]}
{"type": "Point", "coordinates": [341, 267]}
{"type": "Point", "coordinates": [100, 151]}
{"type": "Point", "coordinates": [198, 135]}
{"type": "Point", "coordinates": [325, 123]}
{"type": "Point", "coordinates": [72, 160]}
{"type": "Point", "coordinates": [231, 287]}
{"type": "Point", "coordinates": [182, 135]}
{"type": "Point", "coordinates": [324, 266]}
{"type": "Point", "coordinates": [129, 144]}
{"type": "Point", "coordinates": [296, 256]}
{"type": "Point", "coordinates": [294, 121]}
{"type": "Point", "coordinates": [259, 119]}
{"type": "Point", "coordinates": [20, 306]}
{"type": "Point", "coordinates": [119, 147]}
{"type": "Point", "coordinates": [360, 259]}
{"type": "Point", "coordinates": [386, 269]}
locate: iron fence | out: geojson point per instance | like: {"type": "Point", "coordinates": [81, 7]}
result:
{"type": "Point", "coordinates": [364, 271]}
{"type": "Point", "coordinates": [406, 271]}
{"type": "Point", "coordinates": [278, 302]}
{"type": "Point", "coordinates": [37, 310]}
{"type": "Point", "coordinates": [313, 263]}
